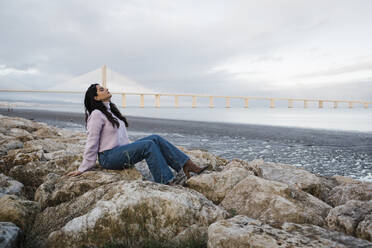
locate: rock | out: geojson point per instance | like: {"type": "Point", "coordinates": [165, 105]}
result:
{"type": "Point", "coordinates": [127, 213]}
{"type": "Point", "coordinates": [216, 185]}
{"type": "Point", "coordinates": [20, 157]}
{"type": "Point", "coordinates": [76, 152]}
{"type": "Point", "coordinates": [144, 170]}
{"type": "Point", "coordinates": [274, 202]}
{"type": "Point", "coordinates": [49, 145]}
{"type": "Point", "coordinates": [9, 143]}
{"type": "Point", "coordinates": [33, 173]}
{"type": "Point", "coordinates": [325, 237]}
{"type": "Point", "coordinates": [203, 158]}
{"type": "Point", "coordinates": [343, 180]}
{"type": "Point", "coordinates": [17, 132]}
{"type": "Point", "coordinates": [364, 229]}
{"type": "Point", "coordinates": [326, 186]}
{"type": "Point", "coordinates": [353, 218]}
{"type": "Point", "coordinates": [10, 235]}
{"type": "Point", "coordinates": [54, 218]}
{"type": "Point", "coordinates": [242, 231]}
{"type": "Point", "coordinates": [57, 189]}
{"type": "Point", "coordinates": [350, 190]}
{"type": "Point", "coordinates": [291, 175]}
{"type": "Point", "coordinates": [14, 122]}
{"type": "Point", "coordinates": [251, 166]}
{"type": "Point", "coordinates": [20, 212]}
{"type": "Point", "coordinates": [10, 186]}
{"type": "Point", "coordinates": [46, 132]}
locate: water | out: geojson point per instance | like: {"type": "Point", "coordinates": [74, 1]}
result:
{"type": "Point", "coordinates": [325, 159]}
{"type": "Point", "coordinates": [357, 119]}
{"type": "Point", "coordinates": [331, 119]}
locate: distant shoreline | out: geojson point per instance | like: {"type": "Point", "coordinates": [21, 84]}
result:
{"type": "Point", "coordinates": [250, 131]}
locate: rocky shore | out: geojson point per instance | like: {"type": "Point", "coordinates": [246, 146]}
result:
{"type": "Point", "coordinates": [234, 204]}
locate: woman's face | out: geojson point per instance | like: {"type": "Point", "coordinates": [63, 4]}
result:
{"type": "Point", "coordinates": [102, 94]}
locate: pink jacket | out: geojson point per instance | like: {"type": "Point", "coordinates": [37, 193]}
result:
{"type": "Point", "coordinates": [101, 136]}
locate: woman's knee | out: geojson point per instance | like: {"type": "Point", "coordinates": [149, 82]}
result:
{"type": "Point", "coordinates": [149, 148]}
{"type": "Point", "coordinates": [148, 144]}
{"type": "Point", "coordinates": [154, 137]}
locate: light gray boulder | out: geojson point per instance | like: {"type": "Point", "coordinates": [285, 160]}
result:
{"type": "Point", "coordinates": [18, 210]}
{"type": "Point", "coordinates": [353, 218]}
{"type": "Point", "coordinates": [203, 158]}
{"type": "Point", "coordinates": [242, 231]}
{"type": "Point", "coordinates": [349, 189]}
{"type": "Point", "coordinates": [9, 143]}
{"type": "Point", "coordinates": [216, 185]}
{"type": "Point", "coordinates": [10, 186]}
{"type": "Point", "coordinates": [57, 189]}
{"type": "Point", "coordinates": [10, 235]}
{"type": "Point", "coordinates": [274, 202]}
{"type": "Point", "coordinates": [131, 213]}
{"type": "Point", "coordinates": [327, 238]}
{"type": "Point", "coordinates": [291, 175]}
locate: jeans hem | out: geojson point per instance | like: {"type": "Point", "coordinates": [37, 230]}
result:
{"type": "Point", "coordinates": [170, 180]}
{"type": "Point", "coordinates": [183, 163]}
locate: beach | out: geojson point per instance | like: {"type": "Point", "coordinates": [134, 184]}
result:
{"type": "Point", "coordinates": [323, 152]}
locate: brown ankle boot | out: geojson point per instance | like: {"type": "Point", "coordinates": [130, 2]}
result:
{"type": "Point", "coordinates": [191, 167]}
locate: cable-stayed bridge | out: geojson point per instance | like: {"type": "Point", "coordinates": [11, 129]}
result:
{"type": "Point", "coordinates": [122, 85]}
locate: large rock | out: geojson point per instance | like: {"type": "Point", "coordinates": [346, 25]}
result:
{"type": "Point", "coordinates": [350, 190]}
{"type": "Point", "coordinates": [46, 132]}
{"type": "Point", "coordinates": [251, 166]}
{"type": "Point", "coordinates": [10, 186]}
{"type": "Point", "coordinates": [9, 143]}
{"type": "Point", "coordinates": [291, 175]}
{"type": "Point", "coordinates": [23, 141]}
{"type": "Point", "coordinates": [14, 122]}
{"type": "Point", "coordinates": [57, 189]}
{"type": "Point", "coordinates": [20, 127]}
{"type": "Point", "coordinates": [128, 213]}
{"type": "Point", "coordinates": [353, 218]}
{"type": "Point", "coordinates": [10, 235]}
{"type": "Point", "coordinates": [274, 202]}
{"type": "Point", "coordinates": [325, 237]}
{"type": "Point", "coordinates": [18, 211]}
{"type": "Point", "coordinates": [18, 132]}
{"type": "Point", "coordinates": [33, 173]}
{"type": "Point", "coordinates": [204, 158]}
{"type": "Point", "coordinates": [216, 185]}
{"type": "Point", "coordinates": [343, 180]}
{"type": "Point", "coordinates": [20, 157]}
{"type": "Point", "coordinates": [62, 144]}
{"type": "Point", "coordinates": [242, 231]}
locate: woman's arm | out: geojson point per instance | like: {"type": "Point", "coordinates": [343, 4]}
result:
{"type": "Point", "coordinates": [94, 126]}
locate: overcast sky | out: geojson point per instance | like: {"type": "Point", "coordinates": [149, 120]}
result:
{"type": "Point", "coordinates": [292, 48]}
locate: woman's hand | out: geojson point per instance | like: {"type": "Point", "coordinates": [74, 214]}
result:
{"type": "Point", "coordinates": [74, 173]}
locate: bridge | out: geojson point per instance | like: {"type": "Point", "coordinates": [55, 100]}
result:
{"type": "Point", "coordinates": [245, 99]}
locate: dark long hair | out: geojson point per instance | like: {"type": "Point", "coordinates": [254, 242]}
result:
{"type": "Point", "coordinates": [91, 104]}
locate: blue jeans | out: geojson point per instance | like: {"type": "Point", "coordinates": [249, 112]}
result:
{"type": "Point", "coordinates": [158, 152]}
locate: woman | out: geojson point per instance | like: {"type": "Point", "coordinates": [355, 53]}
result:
{"type": "Point", "coordinates": [107, 136]}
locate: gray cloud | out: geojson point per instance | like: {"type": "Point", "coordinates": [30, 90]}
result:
{"type": "Point", "coordinates": [172, 46]}
{"type": "Point", "coordinates": [356, 67]}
